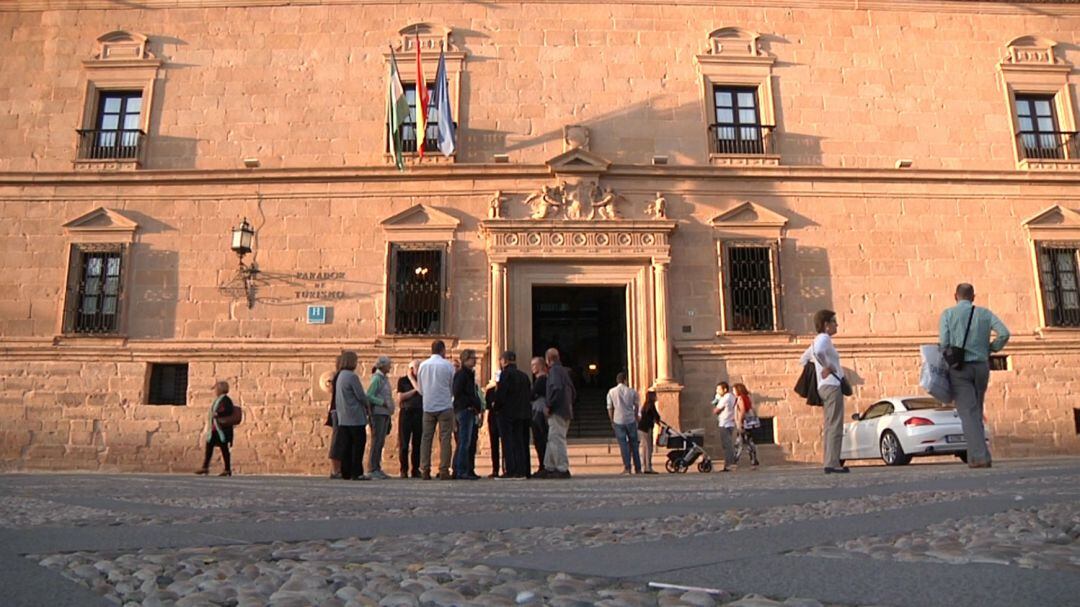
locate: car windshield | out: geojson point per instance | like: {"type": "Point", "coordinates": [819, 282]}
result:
{"type": "Point", "coordinates": [914, 404]}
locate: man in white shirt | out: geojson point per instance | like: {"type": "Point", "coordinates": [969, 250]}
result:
{"type": "Point", "coordinates": [436, 377]}
{"type": "Point", "coordinates": [724, 409]}
{"type": "Point", "coordinates": [624, 409]}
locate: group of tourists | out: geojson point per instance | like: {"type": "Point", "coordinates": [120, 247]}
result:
{"type": "Point", "coordinates": [441, 396]}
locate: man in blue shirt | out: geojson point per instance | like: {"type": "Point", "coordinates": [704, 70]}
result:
{"type": "Point", "coordinates": [970, 381]}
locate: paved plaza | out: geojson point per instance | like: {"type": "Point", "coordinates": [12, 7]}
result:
{"type": "Point", "coordinates": [925, 534]}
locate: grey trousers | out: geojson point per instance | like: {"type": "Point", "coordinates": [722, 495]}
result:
{"type": "Point", "coordinates": [834, 424]}
{"type": "Point", "coordinates": [727, 441]}
{"type": "Point", "coordinates": [556, 457]}
{"type": "Point", "coordinates": [969, 389]}
{"type": "Point", "coordinates": [445, 421]}
{"type": "Point", "coordinates": [380, 424]}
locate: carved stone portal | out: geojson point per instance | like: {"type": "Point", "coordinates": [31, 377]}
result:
{"type": "Point", "coordinates": [571, 199]}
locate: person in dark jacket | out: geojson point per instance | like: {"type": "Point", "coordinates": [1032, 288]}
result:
{"type": "Point", "coordinates": [559, 411]}
{"type": "Point", "coordinates": [539, 402]}
{"type": "Point", "coordinates": [515, 411]}
{"type": "Point", "coordinates": [466, 408]}
{"type": "Point", "coordinates": [410, 421]}
{"type": "Point", "coordinates": [494, 439]}
{"type": "Point", "coordinates": [221, 433]}
{"type": "Point", "coordinates": [650, 416]}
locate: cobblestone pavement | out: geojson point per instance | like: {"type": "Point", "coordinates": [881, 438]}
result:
{"type": "Point", "coordinates": [159, 540]}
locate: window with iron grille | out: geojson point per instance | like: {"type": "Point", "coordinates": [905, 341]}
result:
{"type": "Point", "coordinates": [95, 289]}
{"type": "Point", "coordinates": [116, 133]}
{"type": "Point", "coordinates": [1058, 274]}
{"type": "Point", "coordinates": [168, 384]}
{"type": "Point", "coordinates": [737, 129]}
{"type": "Point", "coordinates": [749, 271]}
{"type": "Point", "coordinates": [417, 294]}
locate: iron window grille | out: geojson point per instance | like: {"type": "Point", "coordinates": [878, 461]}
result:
{"type": "Point", "coordinates": [738, 128]}
{"type": "Point", "coordinates": [1058, 278]}
{"type": "Point", "coordinates": [1039, 134]}
{"type": "Point", "coordinates": [417, 289]}
{"type": "Point", "coordinates": [116, 134]}
{"type": "Point", "coordinates": [750, 271]}
{"type": "Point", "coordinates": [168, 384]}
{"type": "Point", "coordinates": [96, 289]}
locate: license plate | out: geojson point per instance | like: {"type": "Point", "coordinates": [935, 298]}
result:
{"type": "Point", "coordinates": [954, 438]}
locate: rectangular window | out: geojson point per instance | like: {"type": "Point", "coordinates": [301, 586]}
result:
{"type": "Point", "coordinates": [1058, 273]}
{"type": "Point", "coordinates": [1039, 133]}
{"type": "Point", "coordinates": [738, 128]}
{"type": "Point", "coordinates": [1076, 420]}
{"type": "Point", "coordinates": [116, 133]}
{"type": "Point", "coordinates": [168, 384]}
{"type": "Point", "coordinates": [751, 287]}
{"type": "Point", "coordinates": [417, 293]}
{"type": "Point", "coordinates": [95, 289]}
{"type": "Point", "coordinates": [764, 434]}
{"type": "Point", "coordinates": [408, 130]}
{"type": "Point", "coordinates": [999, 362]}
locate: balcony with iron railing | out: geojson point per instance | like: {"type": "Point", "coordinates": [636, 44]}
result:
{"type": "Point", "coordinates": [115, 148]}
{"type": "Point", "coordinates": [431, 138]}
{"type": "Point", "coordinates": [747, 145]}
{"type": "Point", "coordinates": [1049, 145]}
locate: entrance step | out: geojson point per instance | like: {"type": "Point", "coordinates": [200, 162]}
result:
{"type": "Point", "coordinates": [599, 456]}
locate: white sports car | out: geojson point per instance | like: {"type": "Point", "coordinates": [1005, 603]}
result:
{"type": "Point", "coordinates": [898, 428]}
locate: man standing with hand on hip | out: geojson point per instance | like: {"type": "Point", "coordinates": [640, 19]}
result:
{"type": "Point", "coordinates": [966, 327]}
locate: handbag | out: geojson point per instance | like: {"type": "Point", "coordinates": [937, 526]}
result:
{"type": "Point", "coordinates": [955, 356]}
{"type": "Point", "coordinates": [234, 418]}
{"type": "Point", "coordinates": [806, 386]}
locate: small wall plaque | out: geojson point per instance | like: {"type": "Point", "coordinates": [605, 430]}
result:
{"type": "Point", "coordinates": [316, 315]}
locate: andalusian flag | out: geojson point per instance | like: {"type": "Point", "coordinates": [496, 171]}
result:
{"type": "Point", "coordinates": [421, 102]}
{"type": "Point", "coordinates": [397, 112]}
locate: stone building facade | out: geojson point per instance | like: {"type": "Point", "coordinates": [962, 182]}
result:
{"type": "Point", "coordinates": [672, 188]}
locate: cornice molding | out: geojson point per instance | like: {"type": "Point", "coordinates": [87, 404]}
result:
{"type": "Point", "coordinates": [1014, 7]}
{"type": "Point", "coordinates": [471, 171]}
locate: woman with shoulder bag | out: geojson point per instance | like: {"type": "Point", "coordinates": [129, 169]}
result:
{"type": "Point", "coordinates": [745, 421]}
{"type": "Point", "coordinates": [221, 432]}
{"type": "Point", "coordinates": [830, 385]}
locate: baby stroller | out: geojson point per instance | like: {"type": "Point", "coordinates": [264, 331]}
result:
{"type": "Point", "coordinates": [684, 448]}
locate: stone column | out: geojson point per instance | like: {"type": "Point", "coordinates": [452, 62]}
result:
{"type": "Point", "coordinates": [663, 344]}
{"type": "Point", "coordinates": [498, 313]}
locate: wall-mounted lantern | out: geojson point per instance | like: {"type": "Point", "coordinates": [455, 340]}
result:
{"type": "Point", "coordinates": [243, 236]}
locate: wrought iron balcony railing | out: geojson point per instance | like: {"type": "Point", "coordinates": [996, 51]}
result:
{"type": "Point", "coordinates": [740, 139]}
{"type": "Point", "coordinates": [431, 137]}
{"type": "Point", "coordinates": [1049, 145]}
{"type": "Point", "coordinates": [97, 144]}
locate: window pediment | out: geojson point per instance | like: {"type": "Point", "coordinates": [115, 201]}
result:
{"type": "Point", "coordinates": [103, 224]}
{"type": "Point", "coordinates": [1031, 51]}
{"type": "Point", "coordinates": [749, 220]}
{"type": "Point", "coordinates": [734, 45]}
{"type": "Point", "coordinates": [578, 160]}
{"type": "Point", "coordinates": [420, 223]}
{"type": "Point", "coordinates": [1056, 222]}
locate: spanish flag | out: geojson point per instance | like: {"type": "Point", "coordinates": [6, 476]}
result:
{"type": "Point", "coordinates": [421, 102]}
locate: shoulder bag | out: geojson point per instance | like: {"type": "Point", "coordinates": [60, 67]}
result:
{"type": "Point", "coordinates": [955, 356]}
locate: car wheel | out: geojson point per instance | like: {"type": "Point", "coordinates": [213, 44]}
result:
{"type": "Point", "coordinates": [963, 456]}
{"type": "Point", "coordinates": [891, 451]}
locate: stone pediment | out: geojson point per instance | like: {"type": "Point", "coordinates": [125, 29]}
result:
{"type": "Point", "coordinates": [578, 160]}
{"type": "Point", "coordinates": [1056, 222]}
{"type": "Point", "coordinates": [421, 222]}
{"type": "Point", "coordinates": [1055, 216]}
{"type": "Point", "coordinates": [750, 219]}
{"type": "Point", "coordinates": [103, 224]}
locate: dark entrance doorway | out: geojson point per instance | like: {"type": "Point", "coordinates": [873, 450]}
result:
{"type": "Point", "coordinates": [588, 326]}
